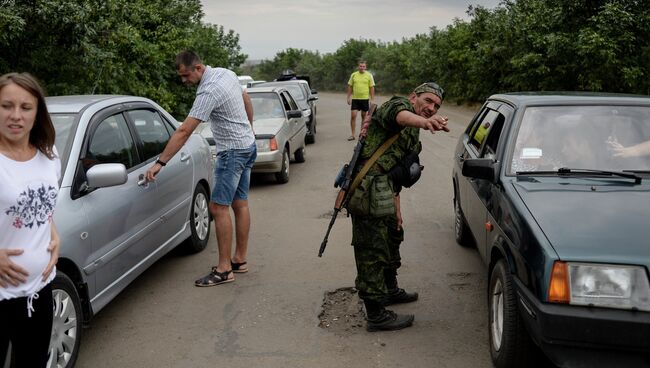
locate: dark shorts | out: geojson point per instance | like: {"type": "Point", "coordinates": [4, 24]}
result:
{"type": "Point", "coordinates": [359, 105]}
{"type": "Point", "coordinates": [232, 175]}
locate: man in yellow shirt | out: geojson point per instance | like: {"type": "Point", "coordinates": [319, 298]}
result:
{"type": "Point", "coordinates": [361, 86]}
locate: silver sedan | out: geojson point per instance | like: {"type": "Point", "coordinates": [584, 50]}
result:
{"type": "Point", "coordinates": [112, 224]}
{"type": "Point", "coordinates": [280, 130]}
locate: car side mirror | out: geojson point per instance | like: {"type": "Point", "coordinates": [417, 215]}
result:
{"type": "Point", "coordinates": [106, 175]}
{"type": "Point", "coordinates": [481, 168]}
{"type": "Point", "coordinates": [292, 114]}
{"type": "Point", "coordinates": [313, 98]}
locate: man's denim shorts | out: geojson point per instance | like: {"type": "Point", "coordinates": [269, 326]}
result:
{"type": "Point", "coordinates": [232, 175]}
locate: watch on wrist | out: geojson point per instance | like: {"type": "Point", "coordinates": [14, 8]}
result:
{"type": "Point", "coordinates": [160, 162]}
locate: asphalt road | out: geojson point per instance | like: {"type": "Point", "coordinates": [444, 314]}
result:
{"type": "Point", "coordinates": [269, 316]}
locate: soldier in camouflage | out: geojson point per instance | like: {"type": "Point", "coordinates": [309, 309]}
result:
{"type": "Point", "coordinates": [376, 240]}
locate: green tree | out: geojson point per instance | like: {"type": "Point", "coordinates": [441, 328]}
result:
{"type": "Point", "coordinates": [112, 46]}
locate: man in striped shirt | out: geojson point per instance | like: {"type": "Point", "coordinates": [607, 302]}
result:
{"type": "Point", "coordinates": [221, 102]}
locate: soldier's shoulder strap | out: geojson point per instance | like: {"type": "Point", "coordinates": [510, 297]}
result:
{"type": "Point", "coordinates": [371, 161]}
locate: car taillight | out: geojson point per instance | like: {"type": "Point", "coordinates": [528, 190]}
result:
{"type": "Point", "coordinates": [558, 290]}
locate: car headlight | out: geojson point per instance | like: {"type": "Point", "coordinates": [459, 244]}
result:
{"type": "Point", "coordinates": [600, 285]}
{"type": "Point", "coordinates": [266, 145]}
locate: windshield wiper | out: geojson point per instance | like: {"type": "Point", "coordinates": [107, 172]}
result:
{"type": "Point", "coordinates": [638, 171]}
{"type": "Point", "coordinates": [565, 171]}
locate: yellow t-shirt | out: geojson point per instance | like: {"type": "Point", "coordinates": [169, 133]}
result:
{"type": "Point", "coordinates": [361, 83]}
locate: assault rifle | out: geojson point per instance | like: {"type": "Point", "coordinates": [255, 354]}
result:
{"type": "Point", "coordinates": [344, 180]}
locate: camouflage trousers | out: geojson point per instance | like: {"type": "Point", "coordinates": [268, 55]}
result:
{"type": "Point", "coordinates": [376, 242]}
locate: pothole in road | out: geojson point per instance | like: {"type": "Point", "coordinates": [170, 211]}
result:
{"type": "Point", "coordinates": [342, 311]}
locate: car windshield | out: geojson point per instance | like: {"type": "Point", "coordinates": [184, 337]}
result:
{"type": "Point", "coordinates": [266, 105]}
{"type": "Point", "coordinates": [612, 138]}
{"type": "Point", "coordinates": [64, 126]}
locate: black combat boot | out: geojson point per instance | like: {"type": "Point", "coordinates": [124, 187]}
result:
{"type": "Point", "coordinates": [398, 296]}
{"type": "Point", "coordinates": [395, 294]}
{"type": "Point", "coordinates": [381, 319]}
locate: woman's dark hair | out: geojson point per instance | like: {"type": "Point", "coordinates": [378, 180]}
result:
{"type": "Point", "coordinates": [42, 134]}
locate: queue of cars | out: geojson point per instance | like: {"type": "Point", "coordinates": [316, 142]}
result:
{"type": "Point", "coordinates": [554, 192]}
{"type": "Point", "coordinates": [305, 97]}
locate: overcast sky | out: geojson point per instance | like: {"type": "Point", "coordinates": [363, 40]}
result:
{"type": "Point", "coordinates": [266, 27]}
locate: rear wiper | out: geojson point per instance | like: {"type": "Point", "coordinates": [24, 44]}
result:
{"type": "Point", "coordinates": [567, 171]}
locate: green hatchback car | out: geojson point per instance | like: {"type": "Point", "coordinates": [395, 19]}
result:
{"type": "Point", "coordinates": [553, 189]}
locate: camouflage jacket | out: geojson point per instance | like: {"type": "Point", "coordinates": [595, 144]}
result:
{"type": "Point", "coordinates": [383, 126]}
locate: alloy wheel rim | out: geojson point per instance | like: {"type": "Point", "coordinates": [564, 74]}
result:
{"type": "Point", "coordinates": [496, 320]}
{"type": "Point", "coordinates": [64, 329]}
{"type": "Point", "coordinates": [201, 216]}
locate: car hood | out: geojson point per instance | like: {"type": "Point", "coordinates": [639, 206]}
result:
{"type": "Point", "coordinates": [268, 126]}
{"type": "Point", "coordinates": [591, 222]}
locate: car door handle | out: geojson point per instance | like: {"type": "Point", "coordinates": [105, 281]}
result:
{"type": "Point", "coordinates": [184, 157]}
{"type": "Point", "coordinates": [142, 181]}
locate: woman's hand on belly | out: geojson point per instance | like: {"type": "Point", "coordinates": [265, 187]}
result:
{"type": "Point", "coordinates": [11, 273]}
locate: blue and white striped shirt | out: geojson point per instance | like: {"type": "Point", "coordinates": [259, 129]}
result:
{"type": "Point", "coordinates": [219, 101]}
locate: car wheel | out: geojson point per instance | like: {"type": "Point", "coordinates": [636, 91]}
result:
{"type": "Point", "coordinates": [461, 230]}
{"type": "Point", "coordinates": [283, 175]}
{"type": "Point", "coordinates": [310, 138]}
{"type": "Point", "coordinates": [300, 154]}
{"type": "Point", "coordinates": [510, 344]}
{"type": "Point", "coordinates": [66, 324]}
{"type": "Point", "coordinates": [311, 134]}
{"type": "Point", "coordinates": [199, 221]}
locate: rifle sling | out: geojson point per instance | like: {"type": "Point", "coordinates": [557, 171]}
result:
{"type": "Point", "coordinates": [371, 161]}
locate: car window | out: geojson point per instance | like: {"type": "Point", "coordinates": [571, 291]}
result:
{"type": "Point", "coordinates": [64, 125]}
{"type": "Point", "coordinates": [482, 129]}
{"type": "Point", "coordinates": [305, 89]}
{"type": "Point", "coordinates": [582, 137]}
{"type": "Point", "coordinates": [111, 142]}
{"type": "Point", "coordinates": [296, 91]}
{"type": "Point", "coordinates": [289, 102]}
{"type": "Point", "coordinates": [266, 105]}
{"type": "Point", "coordinates": [494, 136]}
{"type": "Point", "coordinates": [151, 130]}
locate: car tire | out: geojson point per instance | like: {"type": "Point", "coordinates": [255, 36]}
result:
{"type": "Point", "coordinates": [461, 230]}
{"type": "Point", "coordinates": [510, 344]}
{"type": "Point", "coordinates": [199, 221]}
{"type": "Point", "coordinates": [310, 138]}
{"type": "Point", "coordinates": [67, 323]}
{"type": "Point", "coordinates": [283, 175]}
{"type": "Point", "coordinates": [311, 134]}
{"type": "Point", "coordinates": [299, 155]}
